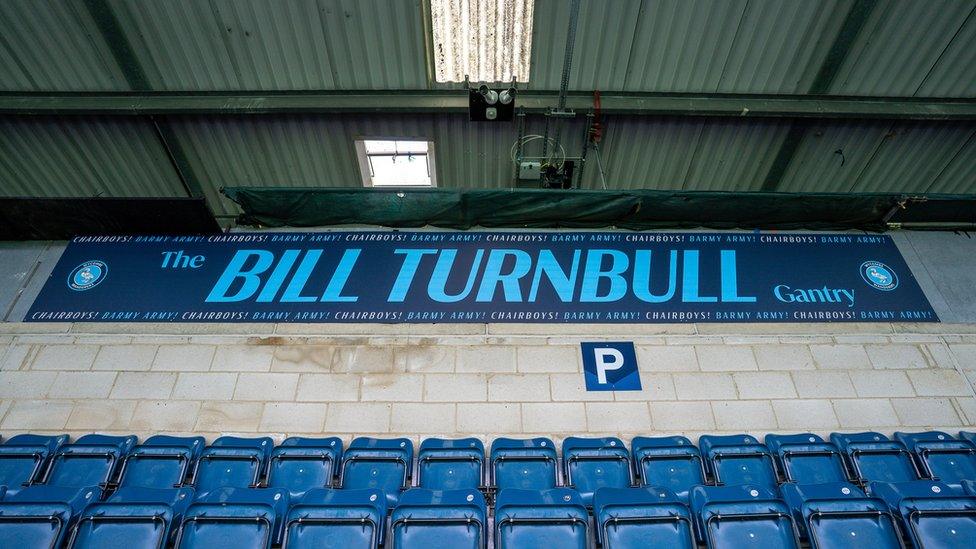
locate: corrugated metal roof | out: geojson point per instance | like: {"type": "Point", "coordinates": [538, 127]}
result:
{"type": "Point", "coordinates": [912, 156]}
{"type": "Point", "coordinates": [900, 44]}
{"type": "Point", "coordinates": [959, 175]}
{"type": "Point", "coordinates": [84, 157]}
{"type": "Point", "coordinates": [53, 45]}
{"type": "Point", "coordinates": [952, 76]}
{"type": "Point", "coordinates": [907, 47]}
{"type": "Point", "coordinates": [832, 156]}
{"type": "Point", "coordinates": [282, 45]}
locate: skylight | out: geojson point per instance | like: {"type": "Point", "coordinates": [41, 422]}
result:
{"type": "Point", "coordinates": [488, 40]}
{"type": "Point", "coordinates": [396, 163]}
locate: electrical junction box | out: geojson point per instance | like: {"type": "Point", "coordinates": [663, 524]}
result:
{"type": "Point", "coordinates": [530, 170]}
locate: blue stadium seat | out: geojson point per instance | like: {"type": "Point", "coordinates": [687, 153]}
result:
{"type": "Point", "coordinates": [24, 458]}
{"type": "Point", "coordinates": [232, 462]}
{"type": "Point", "coordinates": [40, 517]}
{"type": "Point", "coordinates": [968, 436]}
{"type": "Point", "coordinates": [670, 462]}
{"type": "Point", "coordinates": [642, 518]}
{"type": "Point", "coordinates": [807, 459]}
{"type": "Point", "coordinates": [383, 464]}
{"type": "Point", "coordinates": [92, 460]}
{"type": "Point", "coordinates": [593, 463]}
{"type": "Point", "coordinates": [445, 464]}
{"type": "Point", "coordinates": [132, 518]}
{"type": "Point", "coordinates": [743, 516]}
{"type": "Point", "coordinates": [301, 464]}
{"type": "Point", "coordinates": [540, 518]}
{"type": "Point", "coordinates": [160, 462]}
{"type": "Point", "coordinates": [238, 518]}
{"type": "Point", "coordinates": [439, 518]}
{"type": "Point", "coordinates": [933, 514]}
{"type": "Point", "coordinates": [525, 464]}
{"type": "Point", "coordinates": [738, 459]}
{"type": "Point", "coordinates": [839, 514]}
{"type": "Point", "coordinates": [874, 457]}
{"type": "Point", "coordinates": [336, 519]}
{"type": "Point", "coordinates": [941, 456]}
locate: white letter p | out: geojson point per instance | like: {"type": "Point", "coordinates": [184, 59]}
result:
{"type": "Point", "coordinates": [602, 365]}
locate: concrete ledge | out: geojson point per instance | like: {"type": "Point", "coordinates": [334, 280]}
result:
{"type": "Point", "coordinates": [485, 331]}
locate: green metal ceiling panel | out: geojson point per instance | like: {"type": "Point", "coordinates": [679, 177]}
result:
{"type": "Point", "coordinates": [682, 45]}
{"type": "Point", "coordinates": [780, 45]}
{"type": "Point", "coordinates": [735, 155]}
{"type": "Point", "coordinates": [912, 156]}
{"type": "Point", "coordinates": [953, 75]}
{"type": "Point", "coordinates": [84, 157]}
{"type": "Point", "coordinates": [647, 152]}
{"type": "Point", "coordinates": [959, 176]}
{"type": "Point", "coordinates": [832, 155]}
{"type": "Point", "coordinates": [604, 38]}
{"type": "Point", "coordinates": [899, 46]}
{"type": "Point", "coordinates": [280, 151]}
{"type": "Point", "coordinates": [762, 46]}
{"type": "Point", "coordinates": [284, 45]}
{"type": "Point", "coordinates": [53, 45]}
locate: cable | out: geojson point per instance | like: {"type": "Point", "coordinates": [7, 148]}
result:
{"type": "Point", "coordinates": [534, 137]}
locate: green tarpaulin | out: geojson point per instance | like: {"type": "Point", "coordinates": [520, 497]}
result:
{"type": "Point", "coordinates": [641, 209]}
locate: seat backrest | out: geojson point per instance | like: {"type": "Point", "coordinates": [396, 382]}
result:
{"type": "Point", "coordinates": [383, 464]}
{"type": "Point", "coordinates": [92, 460]}
{"type": "Point", "coordinates": [669, 462]}
{"type": "Point", "coordinates": [642, 517]}
{"type": "Point", "coordinates": [839, 514]}
{"type": "Point", "coordinates": [933, 514]}
{"type": "Point", "coordinates": [525, 464]}
{"type": "Point", "coordinates": [232, 462]}
{"type": "Point", "coordinates": [131, 517]}
{"type": "Point", "coordinates": [41, 516]}
{"type": "Point", "coordinates": [336, 519]}
{"type": "Point", "coordinates": [738, 459]}
{"type": "Point", "coordinates": [874, 457]}
{"type": "Point", "coordinates": [807, 458]}
{"type": "Point", "coordinates": [540, 518]}
{"type": "Point", "coordinates": [743, 516]}
{"type": "Point", "coordinates": [941, 456]}
{"type": "Point", "coordinates": [442, 518]}
{"type": "Point", "coordinates": [300, 464]}
{"type": "Point", "coordinates": [24, 458]}
{"type": "Point", "coordinates": [161, 462]}
{"type": "Point", "coordinates": [593, 463]}
{"type": "Point", "coordinates": [451, 464]}
{"type": "Point", "coordinates": [242, 518]}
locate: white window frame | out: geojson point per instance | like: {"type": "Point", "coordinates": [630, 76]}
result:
{"type": "Point", "coordinates": [363, 161]}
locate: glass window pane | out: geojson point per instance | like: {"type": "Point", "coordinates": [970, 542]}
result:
{"type": "Point", "coordinates": [400, 170]}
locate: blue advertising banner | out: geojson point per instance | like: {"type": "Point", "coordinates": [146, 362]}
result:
{"type": "Point", "coordinates": [419, 276]}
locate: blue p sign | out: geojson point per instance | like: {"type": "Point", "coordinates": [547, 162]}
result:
{"type": "Point", "coordinates": [610, 366]}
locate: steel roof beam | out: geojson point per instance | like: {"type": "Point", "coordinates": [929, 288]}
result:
{"type": "Point", "coordinates": [732, 105]}
{"type": "Point", "coordinates": [855, 20]}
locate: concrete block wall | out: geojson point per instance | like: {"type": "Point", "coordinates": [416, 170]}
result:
{"type": "Point", "coordinates": [481, 380]}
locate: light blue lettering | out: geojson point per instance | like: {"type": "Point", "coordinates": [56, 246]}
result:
{"type": "Point", "coordinates": [408, 270]}
{"type": "Point", "coordinates": [509, 281]}
{"type": "Point", "coordinates": [561, 282]}
{"type": "Point", "coordinates": [642, 277]}
{"type": "Point", "coordinates": [593, 272]}
{"type": "Point", "coordinates": [730, 284]}
{"type": "Point", "coordinates": [235, 269]}
{"type": "Point", "coordinates": [437, 287]}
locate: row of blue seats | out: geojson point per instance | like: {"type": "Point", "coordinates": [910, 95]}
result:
{"type": "Point", "coordinates": [388, 465]}
{"type": "Point", "coordinates": [928, 514]}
